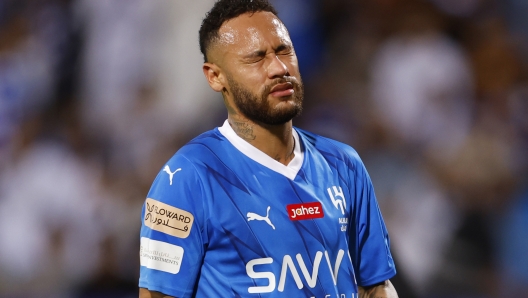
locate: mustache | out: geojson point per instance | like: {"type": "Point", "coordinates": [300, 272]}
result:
{"type": "Point", "coordinates": [292, 80]}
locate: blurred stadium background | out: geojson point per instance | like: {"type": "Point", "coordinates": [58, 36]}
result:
{"type": "Point", "coordinates": [95, 95]}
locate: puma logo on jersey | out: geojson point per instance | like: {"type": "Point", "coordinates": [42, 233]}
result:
{"type": "Point", "coordinates": [253, 216]}
{"type": "Point", "coordinates": [167, 170]}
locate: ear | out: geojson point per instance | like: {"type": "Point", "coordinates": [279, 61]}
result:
{"type": "Point", "coordinates": [213, 75]}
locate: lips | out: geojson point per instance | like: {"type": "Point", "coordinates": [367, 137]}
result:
{"type": "Point", "coordinates": [283, 89]}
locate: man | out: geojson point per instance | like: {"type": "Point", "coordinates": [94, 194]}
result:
{"type": "Point", "coordinates": [256, 208]}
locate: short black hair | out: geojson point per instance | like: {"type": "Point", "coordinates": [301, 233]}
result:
{"type": "Point", "coordinates": [225, 10]}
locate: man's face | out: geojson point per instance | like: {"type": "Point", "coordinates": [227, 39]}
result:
{"type": "Point", "coordinates": [262, 79]}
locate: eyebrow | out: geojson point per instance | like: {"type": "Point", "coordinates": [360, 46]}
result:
{"type": "Point", "coordinates": [283, 47]}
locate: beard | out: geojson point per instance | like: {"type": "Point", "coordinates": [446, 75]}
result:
{"type": "Point", "coordinates": [259, 109]}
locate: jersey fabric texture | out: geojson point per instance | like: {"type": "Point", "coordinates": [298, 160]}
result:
{"type": "Point", "coordinates": [223, 219]}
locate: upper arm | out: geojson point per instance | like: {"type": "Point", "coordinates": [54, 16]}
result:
{"type": "Point", "coordinates": [370, 244]}
{"type": "Point", "coordinates": [145, 293]}
{"type": "Point", "coordinates": [172, 235]}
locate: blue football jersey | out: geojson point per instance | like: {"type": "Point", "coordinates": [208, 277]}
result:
{"type": "Point", "coordinates": [223, 219]}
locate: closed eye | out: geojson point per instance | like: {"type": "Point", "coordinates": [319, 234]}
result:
{"type": "Point", "coordinates": [255, 57]}
{"type": "Point", "coordinates": [284, 49]}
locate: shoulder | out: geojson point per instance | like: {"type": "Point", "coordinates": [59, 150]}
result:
{"type": "Point", "coordinates": [190, 163]}
{"type": "Point", "coordinates": [330, 149]}
{"type": "Point", "coordinates": [206, 148]}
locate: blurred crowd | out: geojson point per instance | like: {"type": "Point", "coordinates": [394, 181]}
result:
{"type": "Point", "coordinates": [95, 95]}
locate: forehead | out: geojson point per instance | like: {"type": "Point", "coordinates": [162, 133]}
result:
{"type": "Point", "coordinates": [252, 31]}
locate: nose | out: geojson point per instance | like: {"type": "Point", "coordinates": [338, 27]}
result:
{"type": "Point", "coordinates": [277, 68]}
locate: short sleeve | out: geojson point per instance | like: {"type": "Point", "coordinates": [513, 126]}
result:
{"type": "Point", "coordinates": [369, 240]}
{"type": "Point", "coordinates": [172, 230]}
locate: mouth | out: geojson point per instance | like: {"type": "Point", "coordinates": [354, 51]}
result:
{"type": "Point", "coordinates": [282, 90]}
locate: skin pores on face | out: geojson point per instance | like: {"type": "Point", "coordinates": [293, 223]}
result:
{"type": "Point", "coordinates": [256, 52]}
{"type": "Point", "coordinates": [250, 33]}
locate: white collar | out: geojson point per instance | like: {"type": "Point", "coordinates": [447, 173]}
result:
{"type": "Point", "coordinates": [262, 158]}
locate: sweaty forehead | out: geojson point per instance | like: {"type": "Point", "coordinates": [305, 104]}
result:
{"type": "Point", "coordinates": [249, 32]}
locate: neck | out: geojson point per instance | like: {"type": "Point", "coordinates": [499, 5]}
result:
{"type": "Point", "coordinates": [274, 140]}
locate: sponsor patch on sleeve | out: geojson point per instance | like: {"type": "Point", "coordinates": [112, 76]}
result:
{"type": "Point", "coordinates": [167, 219]}
{"type": "Point", "coordinates": [161, 256]}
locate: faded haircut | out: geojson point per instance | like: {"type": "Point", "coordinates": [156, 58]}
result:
{"type": "Point", "coordinates": [225, 10]}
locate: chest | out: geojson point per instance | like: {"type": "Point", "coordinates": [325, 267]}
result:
{"type": "Point", "coordinates": [263, 207]}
